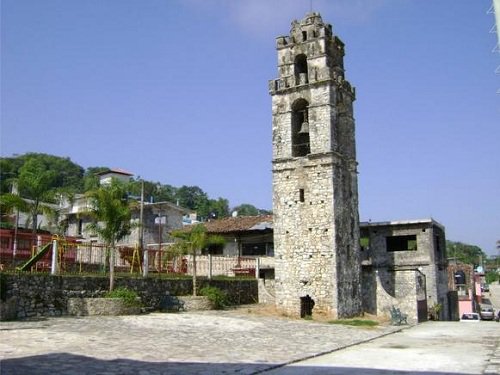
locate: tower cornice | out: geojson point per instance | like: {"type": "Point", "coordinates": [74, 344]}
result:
{"type": "Point", "coordinates": [281, 85]}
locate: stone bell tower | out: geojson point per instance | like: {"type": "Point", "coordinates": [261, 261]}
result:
{"type": "Point", "coordinates": [315, 190]}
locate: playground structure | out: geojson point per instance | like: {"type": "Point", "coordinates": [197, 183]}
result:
{"type": "Point", "coordinates": [72, 256]}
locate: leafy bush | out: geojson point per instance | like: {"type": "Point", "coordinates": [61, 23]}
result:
{"type": "Point", "coordinates": [129, 297]}
{"type": "Point", "coordinates": [492, 276]}
{"type": "Point", "coordinates": [218, 297]}
{"type": "Point", "coordinates": [5, 225]}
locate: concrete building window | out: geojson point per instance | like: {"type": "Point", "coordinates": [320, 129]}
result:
{"type": "Point", "coordinates": [80, 227]}
{"type": "Point", "coordinates": [364, 243]}
{"type": "Point", "coordinates": [304, 35]}
{"type": "Point", "coordinates": [214, 250]}
{"type": "Point", "coordinates": [461, 284]}
{"type": "Point", "coordinates": [300, 128]}
{"type": "Point", "coordinates": [401, 243]}
{"type": "Point", "coordinates": [257, 249]}
{"type": "Point", "coordinates": [460, 278]}
{"type": "Point", "coordinates": [300, 70]}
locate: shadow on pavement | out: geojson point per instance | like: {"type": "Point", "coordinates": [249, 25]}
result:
{"type": "Point", "coordinates": [69, 364]}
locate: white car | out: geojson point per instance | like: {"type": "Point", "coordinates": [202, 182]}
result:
{"type": "Point", "coordinates": [487, 313]}
{"type": "Point", "coordinates": [470, 318]}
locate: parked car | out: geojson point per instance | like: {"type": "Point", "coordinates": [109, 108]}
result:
{"type": "Point", "coordinates": [487, 313]}
{"type": "Point", "coordinates": [485, 288]}
{"type": "Point", "coordinates": [470, 318]}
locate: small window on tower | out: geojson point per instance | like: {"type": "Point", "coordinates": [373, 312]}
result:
{"type": "Point", "coordinates": [304, 35]}
{"type": "Point", "coordinates": [301, 195]}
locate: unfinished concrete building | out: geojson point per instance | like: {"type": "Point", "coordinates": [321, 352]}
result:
{"type": "Point", "coordinates": [315, 194]}
{"type": "Point", "coordinates": [404, 265]}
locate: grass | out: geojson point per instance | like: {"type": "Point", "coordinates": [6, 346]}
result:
{"type": "Point", "coordinates": [355, 322]}
{"type": "Point", "coordinates": [128, 296]}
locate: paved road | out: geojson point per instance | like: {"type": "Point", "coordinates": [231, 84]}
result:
{"type": "Point", "coordinates": [429, 348]}
{"type": "Point", "coordinates": [494, 295]}
{"type": "Point", "coordinates": [233, 342]}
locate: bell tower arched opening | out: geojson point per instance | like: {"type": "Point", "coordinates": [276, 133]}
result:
{"type": "Point", "coordinates": [300, 69]}
{"type": "Point", "coordinates": [301, 145]}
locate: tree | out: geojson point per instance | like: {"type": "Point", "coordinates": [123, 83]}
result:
{"type": "Point", "coordinates": [91, 178]}
{"type": "Point", "coordinates": [246, 210]}
{"type": "Point", "coordinates": [36, 190]}
{"type": "Point", "coordinates": [192, 197]}
{"type": "Point", "coordinates": [468, 254]}
{"type": "Point", "coordinates": [153, 191]}
{"type": "Point", "coordinates": [217, 208]}
{"type": "Point", "coordinates": [9, 203]}
{"type": "Point", "coordinates": [9, 172]}
{"type": "Point", "coordinates": [192, 242]}
{"type": "Point", "coordinates": [36, 183]}
{"type": "Point", "coordinates": [69, 175]}
{"type": "Point", "coordinates": [110, 210]}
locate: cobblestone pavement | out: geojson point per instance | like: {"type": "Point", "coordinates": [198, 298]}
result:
{"type": "Point", "coordinates": [227, 342]}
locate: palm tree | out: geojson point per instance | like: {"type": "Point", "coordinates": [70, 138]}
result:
{"type": "Point", "coordinates": [195, 240]}
{"type": "Point", "coordinates": [35, 184]}
{"type": "Point", "coordinates": [110, 210]}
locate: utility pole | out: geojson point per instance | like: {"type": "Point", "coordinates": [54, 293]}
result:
{"type": "Point", "coordinates": [145, 265]}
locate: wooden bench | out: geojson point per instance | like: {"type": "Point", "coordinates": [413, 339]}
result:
{"type": "Point", "coordinates": [397, 317]}
{"type": "Point", "coordinates": [171, 303]}
{"type": "Point", "coordinates": [250, 272]}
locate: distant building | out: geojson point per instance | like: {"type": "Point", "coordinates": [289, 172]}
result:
{"type": "Point", "coordinates": [159, 219]}
{"type": "Point", "coordinates": [462, 283]}
{"type": "Point", "coordinates": [114, 173]}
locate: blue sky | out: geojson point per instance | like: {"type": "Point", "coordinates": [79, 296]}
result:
{"type": "Point", "coordinates": [176, 91]}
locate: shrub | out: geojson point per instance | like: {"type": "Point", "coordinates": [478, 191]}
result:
{"type": "Point", "coordinates": [129, 297]}
{"type": "Point", "coordinates": [492, 276]}
{"type": "Point", "coordinates": [218, 297]}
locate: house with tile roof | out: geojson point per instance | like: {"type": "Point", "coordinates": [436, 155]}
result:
{"type": "Point", "coordinates": [247, 238]}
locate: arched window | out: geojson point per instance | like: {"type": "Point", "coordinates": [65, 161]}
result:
{"type": "Point", "coordinates": [460, 278]}
{"type": "Point", "coordinates": [300, 128]}
{"type": "Point", "coordinates": [300, 69]}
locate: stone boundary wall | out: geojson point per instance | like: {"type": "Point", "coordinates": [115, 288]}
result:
{"type": "Point", "coordinates": [28, 295]}
{"type": "Point", "coordinates": [266, 292]}
{"type": "Point", "coordinates": [100, 306]}
{"type": "Point", "coordinates": [398, 289]}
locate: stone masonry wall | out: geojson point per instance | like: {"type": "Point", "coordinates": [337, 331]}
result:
{"type": "Point", "coordinates": [315, 197]}
{"type": "Point", "coordinates": [398, 289]}
{"type": "Point", "coordinates": [44, 295]}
